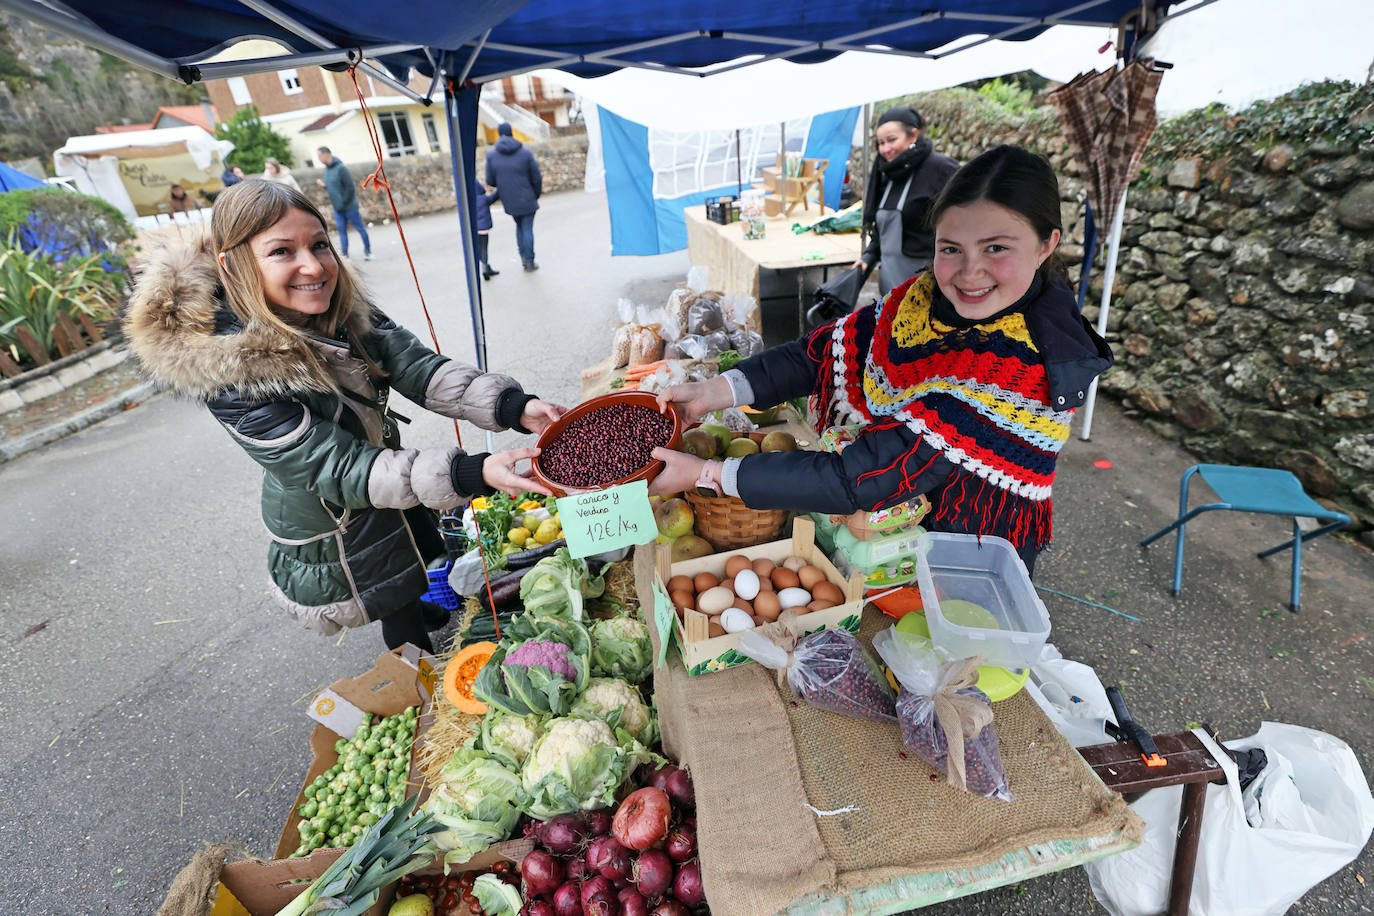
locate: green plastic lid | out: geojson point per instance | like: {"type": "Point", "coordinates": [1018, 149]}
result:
{"type": "Point", "coordinates": [997, 683]}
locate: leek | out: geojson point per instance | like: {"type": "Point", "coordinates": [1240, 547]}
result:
{"type": "Point", "coordinates": [396, 845]}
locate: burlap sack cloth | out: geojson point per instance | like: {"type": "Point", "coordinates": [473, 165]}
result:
{"type": "Point", "coordinates": [759, 757]}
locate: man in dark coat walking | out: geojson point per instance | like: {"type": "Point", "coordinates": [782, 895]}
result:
{"type": "Point", "coordinates": [512, 171]}
{"type": "Point", "coordinates": [343, 197]}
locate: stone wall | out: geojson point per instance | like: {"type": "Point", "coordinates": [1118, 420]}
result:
{"type": "Point", "coordinates": [424, 184]}
{"type": "Point", "coordinates": [1241, 312]}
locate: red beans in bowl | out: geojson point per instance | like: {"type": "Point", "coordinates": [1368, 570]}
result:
{"type": "Point", "coordinates": [605, 445]}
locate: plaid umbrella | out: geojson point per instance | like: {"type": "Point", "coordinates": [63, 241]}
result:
{"type": "Point", "coordinates": [1109, 117]}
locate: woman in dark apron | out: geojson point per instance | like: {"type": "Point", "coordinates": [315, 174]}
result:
{"type": "Point", "coordinates": [906, 176]}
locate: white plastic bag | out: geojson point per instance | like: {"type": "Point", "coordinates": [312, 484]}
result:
{"type": "Point", "coordinates": [699, 278]}
{"type": "Point", "coordinates": [1244, 870]}
{"type": "Point", "coordinates": [1072, 697]}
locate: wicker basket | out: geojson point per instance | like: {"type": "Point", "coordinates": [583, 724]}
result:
{"type": "Point", "coordinates": [727, 523]}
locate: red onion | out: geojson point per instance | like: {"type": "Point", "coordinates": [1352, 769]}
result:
{"type": "Point", "coordinates": [599, 822]}
{"type": "Point", "coordinates": [653, 873]}
{"type": "Point", "coordinates": [563, 835]}
{"type": "Point", "coordinates": [542, 873]}
{"type": "Point", "coordinates": [681, 844]}
{"type": "Point", "coordinates": [608, 858]}
{"type": "Point", "coordinates": [679, 787]}
{"type": "Point", "coordinates": [641, 820]}
{"type": "Point", "coordinates": [537, 907]}
{"type": "Point", "coordinates": [658, 779]}
{"type": "Point", "coordinates": [567, 901]}
{"type": "Point", "coordinates": [632, 903]}
{"type": "Point", "coordinates": [576, 868]}
{"type": "Point", "coordinates": [669, 907]}
{"type": "Point", "coordinates": [596, 887]}
{"type": "Point", "coordinates": [687, 885]}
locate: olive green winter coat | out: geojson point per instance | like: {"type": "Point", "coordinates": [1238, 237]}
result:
{"type": "Point", "coordinates": [341, 500]}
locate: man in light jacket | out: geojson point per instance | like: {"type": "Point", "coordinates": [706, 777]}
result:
{"type": "Point", "coordinates": [514, 173]}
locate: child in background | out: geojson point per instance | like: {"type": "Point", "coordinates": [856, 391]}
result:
{"type": "Point", "coordinates": [965, 378]}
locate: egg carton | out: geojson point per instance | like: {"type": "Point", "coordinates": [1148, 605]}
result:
{"type": "Point", "coordinates": [703, 653]}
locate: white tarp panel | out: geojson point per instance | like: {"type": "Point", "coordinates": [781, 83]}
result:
{"type": "Point", "coordinates": [1239, 51]}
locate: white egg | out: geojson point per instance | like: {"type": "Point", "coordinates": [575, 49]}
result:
{"type": "Point", "coordinates": [794, 597]}
{"type": "Point", "coordinates": [747, 584]}
{"type": "Point", "coordinates": [734, 620]}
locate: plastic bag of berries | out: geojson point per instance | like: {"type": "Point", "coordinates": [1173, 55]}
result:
{"type": "Point", "coordinates": [828, 669]}
{"type": "Point", "coordinates": [945, 719]}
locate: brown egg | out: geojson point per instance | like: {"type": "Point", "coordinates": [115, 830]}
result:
{"type": "Point", "coordinates": [705, 581]}
{"type": "Point", "coordinates": [714, 629]}
{"type": "Point", "coordinates": [767, 606]}
{"type": "Point", "coordinates": [828, 591]}
{"type": "Point", "coordinates": [683, 598]}
{"type": "Point", "coordinates": [744, 606]}
{"type": "Point", "coordinates": [784, 578]}
{"type": "Point", "coordinates": [680, 584]}
{"type": "Point", "coordinates": [819, 605]}
{"type": "Point", "coordinates": [759, 621]}
{"type": "Point", "coordinates": [735, 564]}
{"type": "Point", "coordinates": [764, 567]}
{"type": "Point", "coordinates": [809, 576]}
{"type": "Point", "coordinates": [794, 563]}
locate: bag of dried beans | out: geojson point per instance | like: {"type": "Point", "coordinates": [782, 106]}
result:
{"type": "Point", "coordinates": [945, 719]}
{"type": "Point", "coordinates": [829, 669]}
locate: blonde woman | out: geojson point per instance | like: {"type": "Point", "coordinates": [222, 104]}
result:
{"type": "Point", "coordinates": [262, 323]}
{"type": "Point", "coordinates": [273, 170]}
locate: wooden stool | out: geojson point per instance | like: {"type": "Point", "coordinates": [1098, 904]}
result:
{"type": "Point", "coordinates": [1190, 765]}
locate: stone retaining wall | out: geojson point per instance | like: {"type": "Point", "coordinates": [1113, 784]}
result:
{"type": "Point", "coordinates": [424, 184]}
{"type": "Point", "coordinates": [1241, 312]}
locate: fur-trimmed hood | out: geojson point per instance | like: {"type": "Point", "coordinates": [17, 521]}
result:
{"type": "Point", "coordinates": [185, 335]}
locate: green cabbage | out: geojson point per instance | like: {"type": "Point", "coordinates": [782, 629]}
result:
{"type": "Point", "coordinates": [578, 764]}
{"type": "Point", "coordinates": [478, 801]}
{"type": "Point", "coordinates": [621, 648]}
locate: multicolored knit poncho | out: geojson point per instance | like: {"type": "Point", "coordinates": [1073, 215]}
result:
{"type": "Point", "coordinates": [976, 395]}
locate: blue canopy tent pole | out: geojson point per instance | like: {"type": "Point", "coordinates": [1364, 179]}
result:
{"type": "Point", "coordinates": [460, 109]}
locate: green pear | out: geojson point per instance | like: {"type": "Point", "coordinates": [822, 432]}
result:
{"type": "Point", "coordinates": [690, 547]}
{"type": "Point", "coordinates": [700, 443]}
{"type": "Point", "coordinates": [741, 447]}
{"type": "Point", "coordinates": [779, 442]}
{"type": "Point", "coordinates": [722, 434]}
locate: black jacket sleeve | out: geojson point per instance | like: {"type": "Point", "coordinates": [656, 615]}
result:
{"type": "Point", "coordinates": [885, 465]}
{"type": "Point", "coordinates": [791, 370]}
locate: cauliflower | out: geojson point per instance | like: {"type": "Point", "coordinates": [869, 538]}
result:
{"type": "Point", "coordinates": [564, 738]}
{"type": "Point", "coordinates": [621, 648]}
{"type": "Point", "coordinates": [508, 737]}
{"type": "Point", "coordinates": [607, 696]}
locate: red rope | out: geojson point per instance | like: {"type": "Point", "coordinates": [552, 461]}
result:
{"type": "Point", "coordinates": [377, 181]}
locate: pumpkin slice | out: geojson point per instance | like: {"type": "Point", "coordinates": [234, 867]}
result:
{"type": "Point", "coordinates": [461, 672]}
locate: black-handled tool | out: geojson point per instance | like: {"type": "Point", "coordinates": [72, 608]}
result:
{"type": "Point", "coordinates": [1130, 730]}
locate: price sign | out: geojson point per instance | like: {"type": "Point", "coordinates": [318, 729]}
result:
{"type": "Point", "coordinates": [607, 519]}
{"type": "Point", "coordinates": [665, 621]}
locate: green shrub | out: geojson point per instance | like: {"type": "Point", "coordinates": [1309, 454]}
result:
{"type": "Point", "coordinates": [35, 287]}
{"type": "Point", "coordinates": [254, 140]}
{"type": "Point", "coordinates": [62, 222]}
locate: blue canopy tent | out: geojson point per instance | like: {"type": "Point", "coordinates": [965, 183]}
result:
{"type": "Point", "coordinates": [461, 45]}
{"type": "Point", "coordinates": [11, 179]}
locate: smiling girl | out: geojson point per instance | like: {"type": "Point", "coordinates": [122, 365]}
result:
{"type": "Point", "coordinates": [964, 379]}
{"type": "Point", "coordinates": [262, 323]}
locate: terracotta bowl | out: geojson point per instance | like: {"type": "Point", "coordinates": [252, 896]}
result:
{"type": "Point", "coordinates": [635, 398]}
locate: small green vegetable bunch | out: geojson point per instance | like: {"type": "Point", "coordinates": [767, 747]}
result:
{"type": "Point", "coordinates": [368, 780]}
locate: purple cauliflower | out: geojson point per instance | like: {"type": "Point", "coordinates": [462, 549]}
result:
{"type": "Point", "coordinates": [552, 655]}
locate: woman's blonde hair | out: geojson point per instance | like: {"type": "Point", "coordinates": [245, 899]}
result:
{"type": "Point", "coordinates": [251, 207]}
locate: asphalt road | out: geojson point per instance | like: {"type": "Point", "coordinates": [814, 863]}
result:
{"type": "Point", "coordinates": [161, 702]}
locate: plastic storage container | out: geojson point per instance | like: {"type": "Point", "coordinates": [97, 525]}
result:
{"type": "Point", "coordinates": [985, 571]}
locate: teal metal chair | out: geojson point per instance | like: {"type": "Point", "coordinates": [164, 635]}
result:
{"type": "Point", "coordinates": [1264, 490]}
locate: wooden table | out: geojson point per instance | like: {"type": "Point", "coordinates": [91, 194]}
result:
{"type": "Point", "coordinates": [735, 261]}
{"type": "Point", "coordinates": [1189, 764]}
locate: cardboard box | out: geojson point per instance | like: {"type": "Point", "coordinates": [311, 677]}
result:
{"type": "Point", "coordinates": [256, 888]}
{"type": "Point", "coordinates": [702, 654]}
{"type": "Point", "coordinates": [401, 678]}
